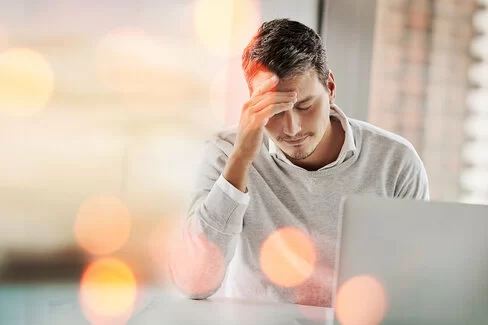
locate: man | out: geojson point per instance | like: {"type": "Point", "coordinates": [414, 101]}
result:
{"type": "Point", "coordinates": [269, 191]}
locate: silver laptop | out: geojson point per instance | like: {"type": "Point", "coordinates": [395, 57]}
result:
{"type": "Point", "coordinates": [419, 262]}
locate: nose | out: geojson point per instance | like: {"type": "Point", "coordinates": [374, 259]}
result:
{"type": "Point", "coordinates": [292, 124]}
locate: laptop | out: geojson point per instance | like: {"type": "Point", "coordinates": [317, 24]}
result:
{"type": "Point", "coordinates": [411, 262]}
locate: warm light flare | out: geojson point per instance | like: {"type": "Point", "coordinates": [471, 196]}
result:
{"type": "Point", "coordinates": [362, 300]}
{"type": "Point", "coordinates": [229, 92]}
{"type": "Point", "coordinates": [288, 257]}
{"type": "Point", "coordinates": [102, 225]}
{"type": "Point", "coordinates": [26, 82]}
{"type": "Point", "coordinates": [226, 26]}
{"type": "Point", "coordinates": [108, 292]}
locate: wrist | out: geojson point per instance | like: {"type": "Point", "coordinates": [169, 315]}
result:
{"type": "Point", "coordinates": [236, 171]}
{"type": "Point", "coordinates": [240, 159]}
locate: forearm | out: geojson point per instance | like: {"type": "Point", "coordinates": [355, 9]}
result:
{"type": "Point", "coordinates": [199, 260]}
{"type": "Point", "coordinates": [236, 172]}
{"type": "Point", "coordinates": [206, 242]}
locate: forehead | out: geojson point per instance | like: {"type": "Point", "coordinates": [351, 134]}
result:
{"type": "Point", "coordinates": [304, 83]}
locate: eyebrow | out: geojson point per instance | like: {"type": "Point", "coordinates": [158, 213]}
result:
{"type": "Point", "coordinates": [306, 99]}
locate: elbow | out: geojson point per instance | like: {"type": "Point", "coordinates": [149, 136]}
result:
{"type": "Point", "coordinates": [195, 290]}
{"type": "Point", "coordinates": [196, 268]}
{"type": "Point", "coordinates": [195, 284]}
{"type": "Point", "coordinates": [198, 296]}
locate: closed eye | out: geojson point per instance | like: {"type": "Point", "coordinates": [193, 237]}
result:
{"type": "Point", "coordinates": [300, 106]}
{"type": "Point", "coordinates": [303, 108]}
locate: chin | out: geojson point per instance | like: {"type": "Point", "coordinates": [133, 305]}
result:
{"type": "Point", "coordinates": [299, 154]}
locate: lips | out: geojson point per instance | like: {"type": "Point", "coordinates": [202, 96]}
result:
{"type": "Point", "coordinates": [296, 141]}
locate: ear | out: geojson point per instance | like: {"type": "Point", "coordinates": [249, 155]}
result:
{"type": "Point", "coordinates": [331, 86]}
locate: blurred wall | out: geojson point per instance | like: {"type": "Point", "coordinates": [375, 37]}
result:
{"type": "Point", "coordinates": [348, 29]}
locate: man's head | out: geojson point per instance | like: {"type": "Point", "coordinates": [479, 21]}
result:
{"type": "Point", "coordinates": [296, 54]}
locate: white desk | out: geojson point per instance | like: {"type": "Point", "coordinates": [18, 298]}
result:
{"type": "Point", "coordinates": [58, 305]}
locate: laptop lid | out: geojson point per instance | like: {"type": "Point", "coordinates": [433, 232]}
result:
{"type": "Point", "coordinates": [412, 262]}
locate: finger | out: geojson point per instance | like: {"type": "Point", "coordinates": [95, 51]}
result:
{"type": "Point", "coordinates": [258, 103]}
{"type": "Point", "coordinates": [271, 110]}
{"type": "Point", "coordinates": [266, 86]}
{"type": "Point", "coordinates": [269, 97]}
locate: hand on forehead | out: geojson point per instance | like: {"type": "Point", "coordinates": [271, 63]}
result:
{"type": "Point", "coordinates": [283, 85]}
{"type": "Point", "coordinates": [261, 77]}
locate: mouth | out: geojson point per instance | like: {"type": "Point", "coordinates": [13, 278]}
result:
{"type": "Point", "coordinates": [296, 141]}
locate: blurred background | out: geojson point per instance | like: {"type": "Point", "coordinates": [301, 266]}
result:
{"type": "Point", "coordinates": [105, 106]}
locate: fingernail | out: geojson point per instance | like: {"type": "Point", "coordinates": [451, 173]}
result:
{"type": "Point", "coordinates": [274, 78]}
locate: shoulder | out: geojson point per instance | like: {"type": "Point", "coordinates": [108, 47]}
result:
{"type": "Point", "coordinates": [397, 156]}
{"type": "Point", "coordinates": [371, 134]}
{"type": "Point", "coordinates": [223, 141]}
{"type": "Point", "coordinates": [388, 145]}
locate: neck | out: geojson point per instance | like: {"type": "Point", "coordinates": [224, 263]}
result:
{"type": "Point", "coordinates": [327, 150]}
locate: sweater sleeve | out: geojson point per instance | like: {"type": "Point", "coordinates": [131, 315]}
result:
{"type": "Point", "coordinates": [413, 182]}
{"type": "Point", "coordinates": [205, 243]}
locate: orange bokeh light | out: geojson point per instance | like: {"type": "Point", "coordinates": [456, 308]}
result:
{"type": "Point", "coordinates": [128, 59]}
{"type": "Point", "coordinates": [102, 225]}
{"type": "Point", "coordinates": [26, 82]}
{"type": "Point", "coordinates": [288, 257]}
{"type": "Point", "coordinates": [197, 267]}
{"type": "Point", "coordinates": [226, 26]}
{"type": "Point", "coordinates": [361, 300]}
{"type": "Point", "coordinates": [108, 292]}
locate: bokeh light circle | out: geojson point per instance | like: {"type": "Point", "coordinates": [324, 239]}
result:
{"type": "Point", "coordinates": [225, 27]}
{"type": "Point", "coordinates": [288, 257]}
{"type": "Point", "coordinates": [361, 300]}
{"type": "Point", "coordinates": [26, 82]}
{"type": "Point", "coordinates": [108, 292]}
{"type": "Point", "coordinates": [102, 225]}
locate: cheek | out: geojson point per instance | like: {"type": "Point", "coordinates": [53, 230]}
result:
{"type": "Point", "coordinates": [272, 128]}
{"type": "Point", "coordinates": [316, 122]}
{"type": "Point", "coordinates": [311, 121]}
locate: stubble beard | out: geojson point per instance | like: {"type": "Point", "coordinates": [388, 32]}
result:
{"type": "Point", "coordinates": [301, 155]}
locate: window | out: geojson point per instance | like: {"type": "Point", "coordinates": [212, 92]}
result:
{"type": "Point", "coordinates": [429, 85]}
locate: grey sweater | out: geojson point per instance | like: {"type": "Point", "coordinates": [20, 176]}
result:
{"type": "Point", "coordinates": [283, 195]}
